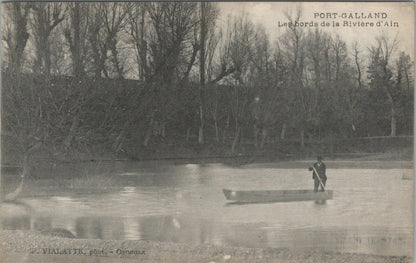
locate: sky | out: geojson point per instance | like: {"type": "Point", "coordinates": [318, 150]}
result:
{"type": "Point", "coordinates": [270, 14]}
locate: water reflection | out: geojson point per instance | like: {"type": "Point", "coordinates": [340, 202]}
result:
{"type": "Point", "coordinates": [320, 202]}
{"type": "Point", "coordinates": [89, 228]}
{"type": "Point", "coordinates": [177, 229]}
{"type": "Point", "coordinates": [16, 223]}
{"type": "Point", "coordinates": [132, 228]}
{"type": "Point", "coordinates": [42, 223]}
{"type": "Point", "coordinates": [184, 229]}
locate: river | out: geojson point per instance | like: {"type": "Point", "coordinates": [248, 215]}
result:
{"type": "Point", "coordinates": [371, 212]}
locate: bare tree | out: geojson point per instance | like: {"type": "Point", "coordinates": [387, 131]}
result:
{"type": "Point", "coordinates": [24, 115]}
{"type": "Point", "coordinates": [107, 22]}
{"type": "Point", "coordinates": [339, 48]}
{"type": "Point", "coordinates": [357, 61]}
{"type": "Point", "coordinates": [171, 32]}
{"type": "Point", "coordinates": [76, 34]}
{"type": "Point", "coordinates": [266, 81]}
{"type": "Point", "coordinates": [381, 74]}
{"type": "Point", "coordinates": [235, 52]}
{"type": "Point", "coordinates": [136, 18]}
{"type": "Point", "coordinates": [353, 95]}
{"type": "Point", "coordinates": [292, 46]}
{"type": "Point", "coordinates": [114, 15]}
{"type": "Point", "coordinates": [45, 18]}
{"type": "Point", "coordinates": [15, 33]}
{"type": "Point", "coordinates": [172, 26]}
{"type": "Point", "coordinates": [225, 66]}
{"type": "Point", "coordinates": [207, 16]}
{"type": "Point", "coordinates": [404, 72]}
{"type": "Point", "coordinates": [22, 111]}
{"type": "Point", "coordinates": [319, 45]}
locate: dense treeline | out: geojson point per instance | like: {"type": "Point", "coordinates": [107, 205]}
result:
{"type": "Point", "coordinates": [80, 74]}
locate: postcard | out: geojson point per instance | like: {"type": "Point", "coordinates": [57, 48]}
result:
{"type": "Point", "coordinates": [207, 131]}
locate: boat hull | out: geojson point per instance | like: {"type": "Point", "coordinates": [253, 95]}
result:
{"type": "Point", "coordinates": [275, 196]}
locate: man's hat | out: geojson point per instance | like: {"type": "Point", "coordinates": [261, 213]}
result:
{"type": "Point", "coordinates": [320, 158]}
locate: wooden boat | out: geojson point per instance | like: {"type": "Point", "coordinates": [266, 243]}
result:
{"type": "Point", "coordinates": [267, 196]}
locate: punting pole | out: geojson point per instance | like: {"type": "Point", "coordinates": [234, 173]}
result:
{"type": "Point", "coordinates": [319, 178]}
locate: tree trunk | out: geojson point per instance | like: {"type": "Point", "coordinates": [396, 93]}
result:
{"type": "Point", "coordinates": [149, 132]}
{"type": "Point", "coordinates": [224, 134]}
{"type": "Point", "coordinates": [163, 129]}
{"type": "Point", "coordinates": [202, 72]}
{"type": "Point", "coordinates": [114, 52]}
{"type": "Point", "coordinates": [11, 196]}
{"type": "Point", "coordinates": [283, 132]}
{"type": "Point", "coordinates": [407, 79]}
{"type": "Point", "coordinates": [48, 61]}
{"type": "Point", "coordinates": [72, 131]}
{"type": "Point", "coordinates": [302, 138]}
{"type": "Point", "coordinates": [75, 45]}
{"type": "Point", "coordinates": [143, 47]}
{"type": "Point", "coordinates": [20, 36]}
{"type": "Point", "coordinates": [393, 121]}
{"type": "Point", "coordinates": [236, 140]}
{"type": "Point", "coordinates": [217, 134]}
{"type": "Point", "coordinates": [119, 141]}
{"type": "Point", "coordinates": [256, 136]}
{"type": "Point", "coordinates": [201, 124]}
{"type": "Point", "coordinates": [263, 137]}
{"type": "Point", "coordinates": [188, 133]}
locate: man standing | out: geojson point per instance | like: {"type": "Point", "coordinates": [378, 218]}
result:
{"type": "Point", "coordinates": [320, 168]}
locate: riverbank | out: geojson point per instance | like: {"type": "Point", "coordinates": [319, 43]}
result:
{"type": "Point", "coordinates": [11, 162]}
{"type": "Point", "coordinates": [375, 148]}
{"type": "Point", "coordinates": [31, 246]}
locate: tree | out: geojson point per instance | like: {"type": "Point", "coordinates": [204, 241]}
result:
{"type": "Point", "coordinates": [404, 72]}
{"type": "Point", "coordinates": [46, 16]}
{"type": "Point", "coordinates": [15, 33]}
{"type": "Point", "coordinates": [318, 69]}
{"type": "Point", "coordinates": [339, 48]}
{"type": "Point", "coordinates": [136, 18]}
{"type": "Point", "coordinates": [207, 16]}
{"type": "Point", "coordinates": [380, 74]}
{"type": "Point", "coordinates": [292, 46]}
{"type": "Point", "coordinates": [171, 28]}
{"type": "Point", "coordinates": [108, 21]}
{"type": "Point", "coordinates": [24, 114]}
{"type": "Point", "coordinates": [354, 95]}
{"type": "Point", "coordinates": [76, 34]}
{"type": "Point", "coordinates": [97, 40]}
{"type": "Point", "coordinates": [216, 111]}
{"type": "Point", "coordinates": [404, 86]}
{"type": "Point", "coordinates": [356, 56]}
{"type": "Point", "coordinates": [238, 49]}
{"type": "Point", "coordinates": [266, 77]}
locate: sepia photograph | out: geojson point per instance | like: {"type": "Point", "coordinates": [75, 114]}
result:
{"type": "Point", "coordinates": [215, 132]}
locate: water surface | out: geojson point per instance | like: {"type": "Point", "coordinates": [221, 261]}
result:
{"type": "Point", "coordinates": [371, 211]}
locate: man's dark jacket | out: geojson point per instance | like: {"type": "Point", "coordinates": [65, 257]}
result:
{"type": "Point", "coordinates": [320, 168]}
